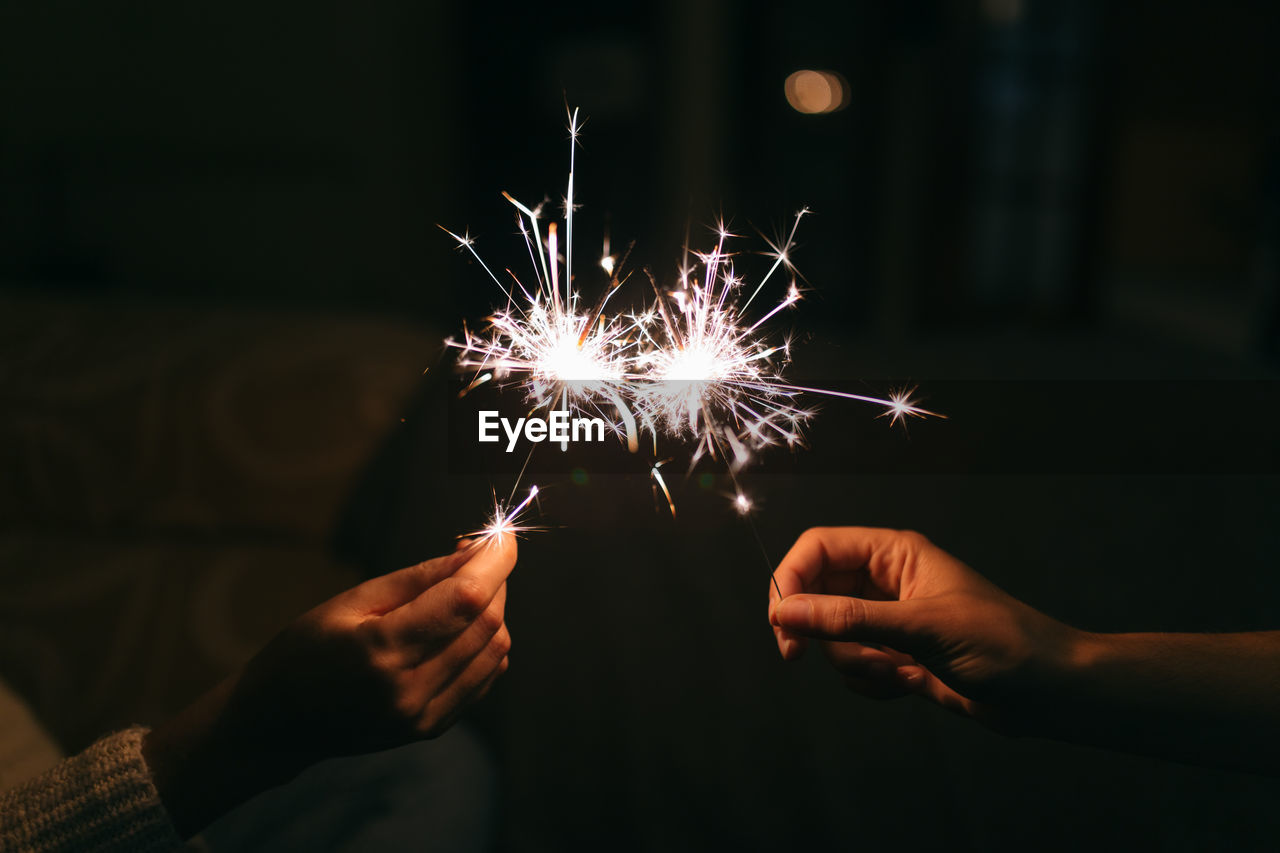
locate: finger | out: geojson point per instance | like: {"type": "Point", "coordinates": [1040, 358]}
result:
{"type": "Point", "coordinates": [452, 604]}
{"type": "Point", "coordinates": [489, 562]}
{"type": "Point", "coordinates": [423, 643]}
{"type": "Point", "coordinates": [790, 646]}
{"type": "Point", "coordinates": [484, 688]}
{"type": "Point", "coordinates": [858, 659]}
{"type": "Point", "coordinates": [916, 678]}
{"type": "Point", "coordinates": [475, 696]}
{"type": "Point", "coordinates": [421, 638]}
{"type": "Point", "coordinates": [920, 681]}
{"type": "Point", "coordinates": [472, 677]}
{"type": "Point", "coordinates": [839, 617]}
{"type": "Point", "coordinates": [464, 651]}
{"type": "Point", "coordinates": [877, 554]}
{"type": "Point", "coordinates": [387, 592]}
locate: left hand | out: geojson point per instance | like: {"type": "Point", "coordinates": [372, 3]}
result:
{"type": "Point", "coordinates": [394, 659]}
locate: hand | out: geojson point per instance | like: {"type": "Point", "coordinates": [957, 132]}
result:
{"type": "Point", "coordinates": [899, 615]}
{"type": "Point", "coordinates": [394, 659]}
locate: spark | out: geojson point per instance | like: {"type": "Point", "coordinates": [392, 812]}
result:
{"type": "Point", "coordinates": [660, 483]}
{"type": "Point", "coordinates": [506, 521]}
{"type": "Point", "coordinates": [900, 408]}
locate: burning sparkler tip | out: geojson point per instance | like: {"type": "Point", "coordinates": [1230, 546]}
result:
{"type": "Point", "coordinates": [464, 240]}
{"type": "Point", "coordinates": [506, 521]}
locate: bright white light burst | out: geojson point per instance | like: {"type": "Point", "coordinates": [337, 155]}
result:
{"type": "Point", "coordinates": [505, 521]}
{"type": "Point", "coordinates": [693, 364]}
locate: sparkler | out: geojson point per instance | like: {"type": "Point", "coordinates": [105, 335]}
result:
{"type": "Point", "coordinates": [565, 356]}
{"type": "Point", "coordinates": [505, 521]}
{"type": "Point", "coordinates": [705, 372]}
{"type": "Point", "coordinates": [692, 365]}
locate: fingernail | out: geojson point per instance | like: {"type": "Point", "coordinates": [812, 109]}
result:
{"type": "Point", "coordinates": [910, 676]}
{"type": "Point", "coordinates": [793, 612]}
{"type": "Point", "coordinates": [787, 646]}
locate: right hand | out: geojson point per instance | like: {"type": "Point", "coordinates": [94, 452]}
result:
{"type": "Point", "coordinates": [898, 615]}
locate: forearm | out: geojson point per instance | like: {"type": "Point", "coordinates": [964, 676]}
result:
{"type": "Point", "coordinates": [1207, 698]}
{"type": "Point", "coordinates": [144, 790]}
{"type": "Point", "coordinates": [102, 799]}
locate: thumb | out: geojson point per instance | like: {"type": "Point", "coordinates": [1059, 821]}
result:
{"type": "Point", "coordinates": [838, 617]}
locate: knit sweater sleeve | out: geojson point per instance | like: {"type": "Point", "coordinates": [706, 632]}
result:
{"type": "Point", "coordinates": [102, 799]}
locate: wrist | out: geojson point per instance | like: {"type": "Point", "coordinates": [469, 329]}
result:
{"type": "Point", "coordinates": [1057, 654]}
{"type": "Point", "coordinates": [1077, 656]}
{"type": "Point", "coordinates": [1040, 700]}
{"type": "Point", "coordinates": [1066, 705]}
{"type": "Point", "coordinates": [202, 767]}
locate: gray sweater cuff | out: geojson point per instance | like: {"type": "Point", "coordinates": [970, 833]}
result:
{"type": "Point", "coordinates": [102, 799]}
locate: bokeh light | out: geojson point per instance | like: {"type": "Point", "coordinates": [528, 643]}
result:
{"type": "Point", "coordinates": [815, 92]}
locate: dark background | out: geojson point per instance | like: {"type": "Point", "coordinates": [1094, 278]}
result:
{"type": "Point", "coordinates": [1053, 195]}
{"type": "Point", "coordinates": [996, 163]}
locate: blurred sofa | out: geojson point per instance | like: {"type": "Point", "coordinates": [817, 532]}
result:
{"type": "Point", "coordinates": [171, 477]}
